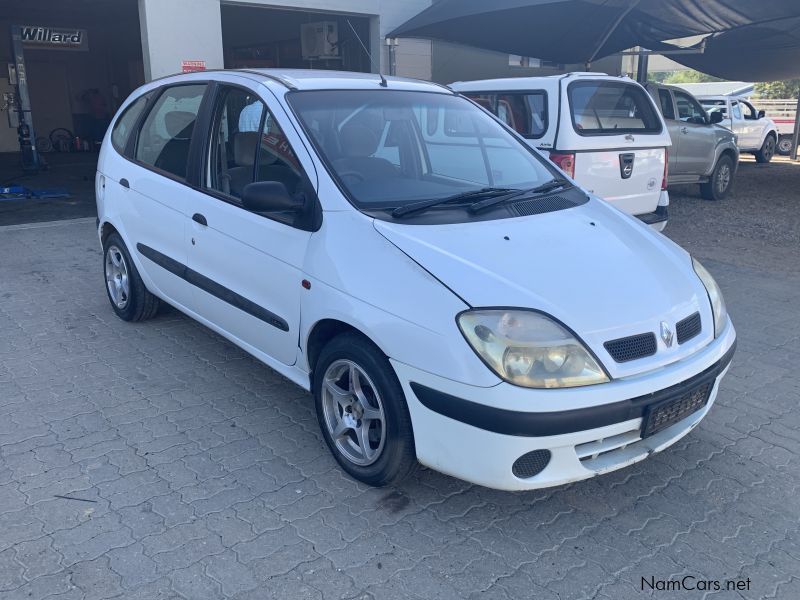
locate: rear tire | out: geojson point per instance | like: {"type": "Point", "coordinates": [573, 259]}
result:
{"type": "Point", "coordinates": [126, 291]}
{"type": "Point", "coordinates": [362, 411]}
{"type": "Point", "coordinates": [767, 150]}
{"type": "Point", "coordinates": [721, 182]}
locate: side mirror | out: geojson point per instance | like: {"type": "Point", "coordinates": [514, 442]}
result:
{"type": "Point", "coordinates": [269, 196]}
{"type": "Point", "coordinates": [762, 114]}
{"type": "Point", "coordinates": [716, 117]}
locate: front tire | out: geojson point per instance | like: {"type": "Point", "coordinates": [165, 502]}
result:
{"type": "Point", "coordinates": [362, 411]}
{"type": "Point", "coordinates": [126, 291]}
{"type": "Point", "coordinates": [767, 150]}
{"type": "Point", "coordinates": [721, 182]}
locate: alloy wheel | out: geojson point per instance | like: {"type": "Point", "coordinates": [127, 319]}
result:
{"type": "Point", "coordinates": [723, 178]}
{"type": "Point", "coordinates": [353, 412]}
{"type": "Point", "coordinates": [769, 148]}
{"type": "Point", "coordinates": [117, 279]}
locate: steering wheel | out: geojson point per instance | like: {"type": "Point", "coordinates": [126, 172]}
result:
{"type": "Point", "coordinates": [354, 174]}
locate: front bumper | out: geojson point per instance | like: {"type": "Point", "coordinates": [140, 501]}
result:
{"type": "Point", "coordinates": [477, 434]}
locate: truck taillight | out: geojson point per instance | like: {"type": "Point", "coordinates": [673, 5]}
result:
{"type": "Point", "coordinates": [666, 169]}
{"type": "Point", "coordinates": [564, 161]}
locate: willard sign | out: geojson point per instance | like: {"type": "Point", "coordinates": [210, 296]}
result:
{"type": "Point", "coordinates": [54, 37]}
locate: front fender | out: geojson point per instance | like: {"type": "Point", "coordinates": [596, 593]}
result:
{"type": "Point", "coordinates": [360, 278]}
{"type": "Point", "coordinates": [725, 144]}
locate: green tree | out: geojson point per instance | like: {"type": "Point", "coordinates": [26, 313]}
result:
{"type": "Point", "coordinates": [689, 76]}
{"type": "Point", "coordinates": [789, 88]}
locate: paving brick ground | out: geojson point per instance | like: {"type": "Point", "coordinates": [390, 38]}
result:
{"type": "Point", "coordinates": [158, 461]}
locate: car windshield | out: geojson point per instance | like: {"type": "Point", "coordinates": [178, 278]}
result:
{"type": "Point", "coordinates": [392, 148]}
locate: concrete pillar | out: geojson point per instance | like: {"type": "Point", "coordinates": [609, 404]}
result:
{"type": "Point", "coordinates": [178, 30]}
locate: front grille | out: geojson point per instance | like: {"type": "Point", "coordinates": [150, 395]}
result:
{"type": "Point", "coordinates": [546, 204]}
{"type": "Point", "coordinates": [688, 328]}
{"type": "Point", "coordinates": [632, 347]}
{"type": "Point", "coordinates": [531, 464]}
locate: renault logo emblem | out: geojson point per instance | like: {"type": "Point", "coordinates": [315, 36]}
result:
{"type": "Point", "coordinates": [666, 334]}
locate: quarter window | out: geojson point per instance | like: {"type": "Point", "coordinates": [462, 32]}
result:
{"type": "Point", "coordinates": [166, 134]}
{"type": "Point", "coordinates": [525, 112]}
{"type": "Point", "coordinates": [248, 145]}
{"type": "Point", "coordinates": [126, 122]}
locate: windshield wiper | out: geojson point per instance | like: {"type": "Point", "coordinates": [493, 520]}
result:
{"type": "Point", "coordinates": [408, 209]}
{"type": "Point", "coordinates": [541, 189]}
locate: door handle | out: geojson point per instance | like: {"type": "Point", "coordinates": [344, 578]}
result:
{"type": "Point", "coordinates": [198, 218]}
{"type": "Point", "coordinates": [124, 183]}
{"type": "Point", "coordinates": [684, 130]}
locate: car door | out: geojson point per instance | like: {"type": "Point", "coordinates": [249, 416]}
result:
{"type": "Point", "coordinates": [246, 266]}
{"type": "Point", "coordinates": [696, 134]}
{"type": "Point", "coordinates": [665, 102]}
{"type": "Point", "coordinates": [155, 182]}
{"type": "Point", "coordinates": [752, 127]}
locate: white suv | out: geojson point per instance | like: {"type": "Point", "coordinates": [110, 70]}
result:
{"type": "Point", "coordinates": [445, 294]}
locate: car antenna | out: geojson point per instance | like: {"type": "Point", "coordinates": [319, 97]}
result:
{"type": "Point", "coordinates": [384, 83]}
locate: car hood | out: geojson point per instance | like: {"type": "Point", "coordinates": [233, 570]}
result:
{"type": "Point", "coordinates": [600, 272]}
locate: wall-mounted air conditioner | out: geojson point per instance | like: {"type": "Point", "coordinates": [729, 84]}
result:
{"type": "Point", "coordinates": [319, 40]}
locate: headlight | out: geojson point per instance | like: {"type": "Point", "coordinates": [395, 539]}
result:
{"type": "Point", "coordinates": [715, 295]}
{"type": "Point", "coordinates": [529, 349]}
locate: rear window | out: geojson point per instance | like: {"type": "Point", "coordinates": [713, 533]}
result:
{"type": "Point", "coordinates": [610, 108]}
{"type": "Point", "coordinates": [525, 112]}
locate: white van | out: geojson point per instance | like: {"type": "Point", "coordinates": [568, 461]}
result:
{"type": "Point", "coordinates": [603, 131]}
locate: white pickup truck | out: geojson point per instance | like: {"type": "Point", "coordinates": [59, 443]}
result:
{"type": "Point", "coordinates": [755, 133]}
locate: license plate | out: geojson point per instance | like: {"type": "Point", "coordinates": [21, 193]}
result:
{"type": "Point", "coordinates": [660, 416]}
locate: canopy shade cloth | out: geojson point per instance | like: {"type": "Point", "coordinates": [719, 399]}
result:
{"type": "Point", "coordinates": [755, 40]}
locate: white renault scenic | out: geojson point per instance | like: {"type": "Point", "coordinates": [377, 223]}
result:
{"type": "Point", "coordinates": [446, 294]}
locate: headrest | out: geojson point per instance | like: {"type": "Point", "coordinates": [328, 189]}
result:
{"type": "Point", "coordinates": [244, 148]}
{"type": "Point", "coordinates": [179, 124]}
{"type": "Point", "coordinates": [358, 141]}
{"type": "Point", "coordinates": [245, 144]}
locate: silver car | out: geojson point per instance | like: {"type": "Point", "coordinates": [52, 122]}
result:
{"type": "Point", "coordinates": [702, 151]}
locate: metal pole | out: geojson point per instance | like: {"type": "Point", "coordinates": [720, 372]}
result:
{"type": "Point", "coordinates": [642, 66]}
{"type": "Point", "coordinates": [611, 29]}
{"type": "Point", "coordinates": [796, 136]}
{"type": "Point", "coordinates": [25, 131]}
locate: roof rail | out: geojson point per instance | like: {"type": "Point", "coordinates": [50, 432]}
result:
{"type": "Point", "coordinates": [278, 79]}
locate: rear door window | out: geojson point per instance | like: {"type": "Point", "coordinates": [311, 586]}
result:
{"type": "Point", "coordinates": [166, 134]}
{"type": "Point", "coordinates": [611, 108]}
{"type": "Point", "coordinates": [525, 112]}
{"type": "Point", "coordinates": [665, 98]}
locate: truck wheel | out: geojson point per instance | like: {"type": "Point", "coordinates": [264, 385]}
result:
{"type": "Point", "coordinates": [767, 150]}
{"type": "Point", "coordinates": [721, 182]}
{"type": "Point", "coordinates": [785, 145]}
